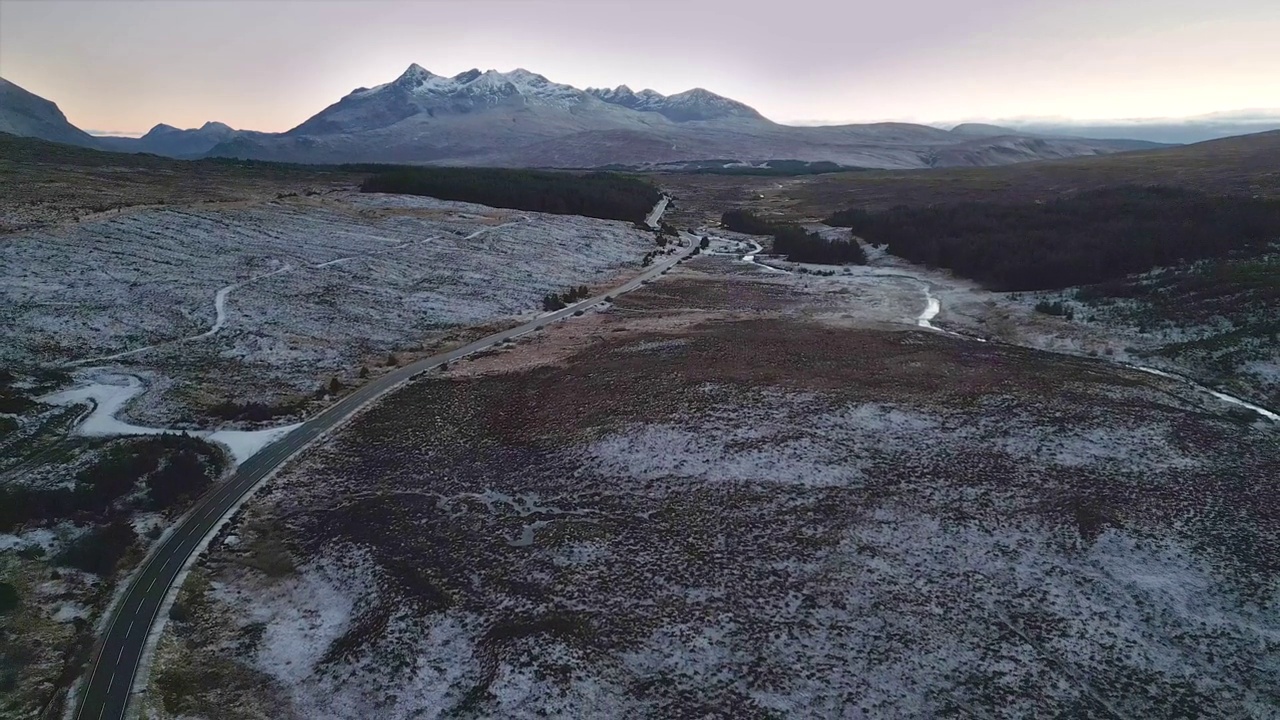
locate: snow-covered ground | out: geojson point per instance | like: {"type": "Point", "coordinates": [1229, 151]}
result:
{"type": "Point", "coordinates": [108, 394]}
{"type": "Point", "coordinates": [162, 313]}
{"type": "Point", "coordinates": [816, 517]}
{"type": "Point", "coordinates": [262, 302]}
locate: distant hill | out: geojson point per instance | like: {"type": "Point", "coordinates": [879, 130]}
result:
{"type": "Point", "coordinates": [174, 142]}
{"type": "Point", "coordinates": [29, 115]}
{"type": "Point", "coordinates": [1247, 165]}
{"type": "Point", "coordinates": [1196, 129]}
{"type": "Point", "coordinates": [982, 130]}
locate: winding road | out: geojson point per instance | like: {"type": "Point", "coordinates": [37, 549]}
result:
{"type": "Point", "coordinates": [119, 654]}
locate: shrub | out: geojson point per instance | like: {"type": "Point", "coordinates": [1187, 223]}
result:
{"type": "Point", "coordinates": [1055, 308]}
{"type": "Point", "coordinates": [182, 479]}
{"type": "Point", "coordinates": [8, 597]}
{"type": "Point", "coordinates": [255, 411]}
{"type": "Point", "coordinates": [99, 550]}
{"type": "Point", "coordinates": [15, 403]}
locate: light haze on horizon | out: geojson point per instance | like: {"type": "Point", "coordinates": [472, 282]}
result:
{"type": "Point", "coordinates": [126, 66]}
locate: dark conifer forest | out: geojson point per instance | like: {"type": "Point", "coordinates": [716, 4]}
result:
{"type": "Point", "coordinates": [608, 196]}
{"type": "Point", "coordinates": [1087, 238]}
{"type": "Point", "coordinates": [794, 242]}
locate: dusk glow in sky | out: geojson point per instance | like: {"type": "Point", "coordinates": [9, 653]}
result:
{"type": "Point", "coordinates": [125, 66]}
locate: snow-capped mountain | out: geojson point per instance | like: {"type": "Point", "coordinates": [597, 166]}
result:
{"type": "Point", "coordinates": [522, 119]}
{"type": "Point", "coordinates": [690, 105]}
{"type": "Point", "coordinates": [420, 92]}
{"type": "Point", "coordinates": [424, 117]}
{"type": "Point", "coordinates": [27, 114]}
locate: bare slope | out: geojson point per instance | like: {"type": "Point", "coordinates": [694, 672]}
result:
{"type": "Point", "coordinates": [27, 114]}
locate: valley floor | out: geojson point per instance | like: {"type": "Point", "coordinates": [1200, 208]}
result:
{"type": "Point", "coordinates": [179, 318]}
{"type": "Point", "coordinates": [742, 492]}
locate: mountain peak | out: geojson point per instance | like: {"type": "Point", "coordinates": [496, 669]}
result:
{"type": "Point", "coordinates": [695, 104]}
{"type": "Point", "coordinates": [161, 129]}
{"type": "Point", "coordinates": [702, 104]}
{"type": "Point", "coordinates": [215, 125]}
{"type": "Point", "coordinates": [414, 74]}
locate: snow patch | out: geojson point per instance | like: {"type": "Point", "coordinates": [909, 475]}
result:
{"type": "Point", "coordinates": [109, 393]}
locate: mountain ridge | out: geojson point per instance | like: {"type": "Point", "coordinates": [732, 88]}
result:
{"type": "Point", "coordinates": [520, 118]}
{"type": "Point", "coordinates": [523, 119]}
{"type": "Point", "coordinates": [164, 139]}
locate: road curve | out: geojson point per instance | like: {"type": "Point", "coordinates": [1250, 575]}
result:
{"type": "Point", "coordinates": [118, 655]}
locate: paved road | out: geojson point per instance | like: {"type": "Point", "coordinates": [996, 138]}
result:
{"type": "Point", "coordinates": [119, 652]}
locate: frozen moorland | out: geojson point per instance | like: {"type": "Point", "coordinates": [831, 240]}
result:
{"type": "Point", "coordinates": [764, 513]}
{"type": "Point", "coordinates": [263, 302]}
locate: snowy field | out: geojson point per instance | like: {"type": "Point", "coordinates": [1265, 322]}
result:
{"type": "Point", "coordinates": [770, 511]}
{"type": "Point", "coordinates": [262, 302]}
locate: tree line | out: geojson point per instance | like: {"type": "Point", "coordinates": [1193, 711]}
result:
{"type": "Point", "coordinates": [559, 301]}
{"type": "Point", "coordinates": [600, 195]}
{"type": "Point", "coordinates": [796, 243]}
{"type": "Point", "coordinates": [1090, 237]}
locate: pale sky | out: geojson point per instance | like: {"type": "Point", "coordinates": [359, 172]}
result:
{"type": "Point", "coordinates": [262, 65]}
